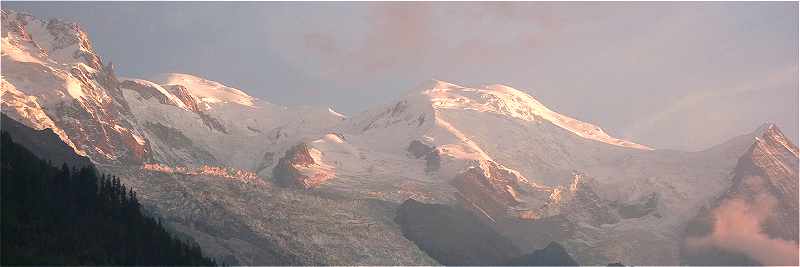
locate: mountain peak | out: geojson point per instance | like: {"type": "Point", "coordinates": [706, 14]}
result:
{"type": "Point", "coordinates": [435, 85]}
{"type": "Point", "coordinates": [501, 88]}
{"type": "Point", "coordinates": [335, 113]}
{"type": "Point", "coordinates": [772, 129]}
{"type": "Point", "coordinates": [61, 41]}
{"type": "Point", "coordinates": [760, 204]}
{"type": "Point", "coordinates": [762, 128]}
{"type": "Point", "coordinates": [510, 102]}
{"type": "Point", "coordinates": [772, 135]}
{"type": "Point", "coordinates": [206, 90]}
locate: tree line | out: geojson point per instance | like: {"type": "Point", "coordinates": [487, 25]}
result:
{"type": "Point", "coordinates": [69, 216]}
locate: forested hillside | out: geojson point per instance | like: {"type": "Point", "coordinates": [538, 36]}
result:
{"type": "Point", "coordinates": [69, 216]}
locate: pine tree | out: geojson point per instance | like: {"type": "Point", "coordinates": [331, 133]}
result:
{"type": "Point", "coordinates": [68, 216]}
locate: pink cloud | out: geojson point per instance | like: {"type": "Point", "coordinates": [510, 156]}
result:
{"type": "Point", "coordinates": [426, 36]}
{"type": "Point", "coordinates": [737, 227]}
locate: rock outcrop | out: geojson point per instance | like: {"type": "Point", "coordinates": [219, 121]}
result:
{"type": "Point", "coordinates": [182, 93]}
{"type": "Point", "coordinates": [431, 155]}
{"type": "Point", "coordinates": [489, 188]}
{"type": "Point", "coordinates": [300, 168]}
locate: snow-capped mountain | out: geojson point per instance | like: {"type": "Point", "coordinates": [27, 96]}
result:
{"type": "Point", "coordinates": [207, 92]}
{"type": "Point", "coordinates": [449, 128]}
{"type": "Point", "coordinates": [503, 154]}
{"type": "Point", "coordinates": [201, 152]}
{"type": "Point", "coordinates": [192, 120]}
{"type": "Point", "coordinates": [52, 78]}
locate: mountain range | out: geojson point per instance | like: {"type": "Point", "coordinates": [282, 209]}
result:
{"type": "Point", "coordinates": [256, 183]}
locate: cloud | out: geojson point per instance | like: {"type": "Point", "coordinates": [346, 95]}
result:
{"type": "Point", "coordinates": [695, 98]}
{"type": "Point", "coordinates": [400, 33]}
{"type": "Point", "coordinates": [737, 227]}
{"type": "Point", "coordinates": [427, 38]}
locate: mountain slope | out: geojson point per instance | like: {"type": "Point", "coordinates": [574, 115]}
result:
{"type": "Point", "coordinates": [45, 144]}
{"type": "Point", "coordinates": [513, 162]}
{"type": "Point", "coordinates": [208, 92]}
{"type": "Point", "coordinates": [453, 236]}
{"type": "Point", "coordinates": [217, 124]}
{"type": "Point", "coordinates": [452, 122]}
{"type": "Point", "coordinates": [52, 78]}
{"type": "Point", "coordinates": [756, 219]}
{"type": "Point", "coordinates": [226, 167]}
{"type": "Point", "coordinates": [180, 135]}
{"type": "Point", "coordinates": [504, 100]}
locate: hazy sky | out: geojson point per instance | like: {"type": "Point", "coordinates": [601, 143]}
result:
{"type": "Point", "coordinates": [682, 75]}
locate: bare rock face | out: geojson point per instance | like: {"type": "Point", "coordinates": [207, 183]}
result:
{"type": "Point", "coordinates": [432, 161]}
{"type": "Point", "coordinates": [643, 207]}
{"type": "Point", "coordinates": [586, 205]}
{"type": "Point", "coordinates": [177, 146]}
{"type": "Point", "coordinates": [489, 188]}
{"type": "Point", "coordinates": [773, 163]}
{"type": "Point", "coordinates": [193, 104]}
{"type": "Point", "coordinates": [212, 123]}
{"type": "Point", "coordinates": [146, 91]}
{"type": "Point", "coordinates": [299, 168]}
{"type": "Point", "coordinates": [756, 220]}
{"type": "Point", "coordinates": [578, 201]}
{"type": "Point", "coordinates": [14, 23]}
{"type": "Point", "coordinates": [111, 126]}
{"type": "Point", "coordinates": [182, 93]}
{"type": "Point", "coordinates": [69, 34]}
{"type": "Point", "coordinates": [63, 35]}
{"type": "Point", "coordinates": [418, 149]}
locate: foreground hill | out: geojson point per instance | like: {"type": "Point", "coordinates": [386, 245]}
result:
{"type": "Point", "coordinates": [66, 216]}
{"type": "Point", "coordinates": [44, 144]}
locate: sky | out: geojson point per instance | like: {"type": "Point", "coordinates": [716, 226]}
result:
{"type": "Point", "coordinates": [670, 75]}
